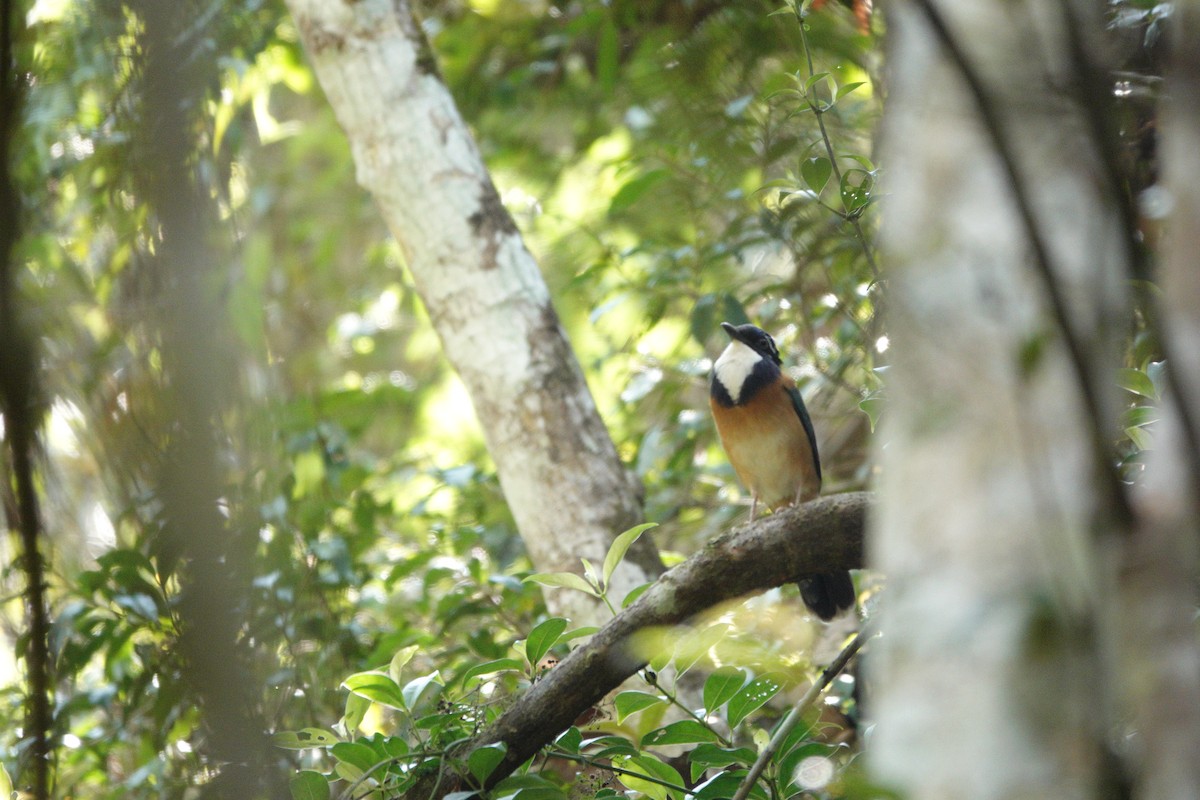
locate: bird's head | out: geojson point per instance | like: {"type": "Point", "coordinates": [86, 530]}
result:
{"type": "Point", "coordinates": [750, 346]}
{"type": "Point", "coordinates": [753, 337]}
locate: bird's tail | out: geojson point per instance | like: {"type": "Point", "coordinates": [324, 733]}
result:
{"type": "Point", "coordinates": [826, 595]}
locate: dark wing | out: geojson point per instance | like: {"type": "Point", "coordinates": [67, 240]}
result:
{"type": "Point", "coordinates": [802, 413]}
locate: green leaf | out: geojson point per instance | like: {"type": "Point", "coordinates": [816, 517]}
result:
{"type": "Point", "coordinates": [685, 731]}
{"type": "Point", "coordinates": [631, 702]}
{"type": "Point", "coordinates": [576, 633]}
{"type": "Point", "coordinates": [376, 687]}
{"type": "Point", "coordinates": [488, 667]}
{"type": "Point", "coordinates": [721, 686]}
{"type": "Point", "coordinates": [648, 765]}
{"type": "Point", "coordinates": [751, 698]}
{"type": "Point", "coordinates": [857, 186]}
{"type": "Point", "coordinates": [711, 756]}
{"type": "Point", "coordinates": [356, 711]}
{"type": "Point", "coordinates": [817, 78]}
{"type": "Point", "coordinates": [304, 785]}
{"type": "Point", "coordinates": [872, 406]}
{"type": "Point", "coordinates": [566, 580]}
{"type": "Point", "coordinates": [816, 171]}
{"type": "Point", "coordinates": [1140, 438]}
{"type": "Point", "coordinates": [721, 785]}
{"type": "Point", "coordinates": [590, 575]}
{"type": "Point", "coordinates": [1138, 382]}
{"type": "Point", "coordinates": [542, 638]}
{"type": "Point", "coordinates": [483, 760]}
{"type": "Point", "coordinates": [420, 693]}
{"type": "Point", "coordinates": [304, 739]}
{"type": "Point", "coordinates": [847, 89]}
{"type": "Point", "coordinates": [633, 189]}
{"type": "Point", "coordinates": [620, 546]}
{"type": "Point", "coordinates": [570, 740]}
{"type": "Point", "coordinates": [634, 594]}
{"type": "Point", "coordinates": [1139, 416]}
{"type": "Point", "coordinates": [400, 661]}
{"type": "Point", "coordinates": [610, 746]}
{"type": "Point", "coordinates": [526, 787]}
{"type": "Point", "coordinates": [357, 754]}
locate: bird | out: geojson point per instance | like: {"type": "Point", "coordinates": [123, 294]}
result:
{"type": "Point", "coordinates": [769, 438]}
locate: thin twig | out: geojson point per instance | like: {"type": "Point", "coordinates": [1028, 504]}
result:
{"type": "Point", "coordinates": [793, 717]}
{"type": "Point", "coordinates": [1118, 498]}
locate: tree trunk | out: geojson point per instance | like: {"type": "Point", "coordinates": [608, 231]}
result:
{"type": "Point", "coordinates": [567, 489]}
{"type": "Point", "coordinates": [996, 514]}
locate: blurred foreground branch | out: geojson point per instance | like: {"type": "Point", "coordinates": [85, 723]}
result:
{"type": "Point", "coordinates": [21, 414]}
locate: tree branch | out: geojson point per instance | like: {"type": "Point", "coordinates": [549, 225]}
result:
{"type": "Point", "coordinates": [825, 535]}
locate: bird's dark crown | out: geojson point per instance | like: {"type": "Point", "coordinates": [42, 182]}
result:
{"type": "Point", "coordinates": [755, 338]}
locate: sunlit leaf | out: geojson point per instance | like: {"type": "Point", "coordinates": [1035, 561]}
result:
{"type": "Point", "coordinates": [356, 712]}
{"type": "Point", "coordinates": [400, 660]}
{"type": "Point", "coordinates": [650, 766]}
{"type": "Point", "coordinates": [620, 546]}
{"type": "Point", "coordinates": [376, 687]}
{"type": "Point", "coordinates": [420, 693]}
{"type": "Point", "coordinates": [751, 698]}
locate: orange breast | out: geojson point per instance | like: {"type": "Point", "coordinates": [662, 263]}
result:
{"type": "Point", "coordinates": [768, 448]}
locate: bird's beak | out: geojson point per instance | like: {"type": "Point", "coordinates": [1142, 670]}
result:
{"type": "Point", "coordinates": [730, 329]}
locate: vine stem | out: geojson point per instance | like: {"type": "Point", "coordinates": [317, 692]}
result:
{"type": "Point", "coordinates": [793, 717]}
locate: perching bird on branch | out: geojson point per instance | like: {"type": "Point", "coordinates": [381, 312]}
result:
{"type": "Point", "coordinates": [769, 438]}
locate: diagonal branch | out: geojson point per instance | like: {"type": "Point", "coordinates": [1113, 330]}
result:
{"type": "Point", "coordinates": [822, 536]}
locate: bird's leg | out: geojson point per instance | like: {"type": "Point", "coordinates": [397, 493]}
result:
{"type": "Point", "coordinates": [753, 505]}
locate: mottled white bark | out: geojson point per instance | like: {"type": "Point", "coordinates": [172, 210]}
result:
{"type": "Point", "coordinates": [558, 467]}
{"type": "Point", "coordinates": [1161, 660]}
{"type": "Point", "coordinates": [989, 680]}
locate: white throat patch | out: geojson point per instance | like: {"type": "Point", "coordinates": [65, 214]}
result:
{"type": "Point", "coordinates": [734, 366]}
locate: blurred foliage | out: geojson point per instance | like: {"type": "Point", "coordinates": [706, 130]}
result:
{"type": "Point", "coordinates": [665, 161]}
